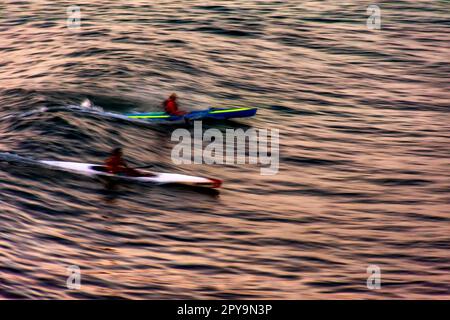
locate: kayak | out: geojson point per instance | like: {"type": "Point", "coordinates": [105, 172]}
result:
{"type": "Point", "coordinates": [94, 170]}
{"type": "Point", "coordinates": [212, 113]}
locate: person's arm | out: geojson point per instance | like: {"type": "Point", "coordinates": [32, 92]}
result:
{"type": "Point", "coordinates": [123, 163]}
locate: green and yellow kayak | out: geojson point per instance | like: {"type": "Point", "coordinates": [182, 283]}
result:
{"type": "Point", "coordinates": [212, 113]}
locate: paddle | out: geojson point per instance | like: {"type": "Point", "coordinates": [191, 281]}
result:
{"type": "Point", "coordinates": [144, 167]}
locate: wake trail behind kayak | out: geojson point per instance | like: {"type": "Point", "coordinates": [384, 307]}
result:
{"type": "Point", "coordinates": [86, 107]}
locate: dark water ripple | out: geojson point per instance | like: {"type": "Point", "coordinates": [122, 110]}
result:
{"type": "Point", "coordinates": [364, 141]}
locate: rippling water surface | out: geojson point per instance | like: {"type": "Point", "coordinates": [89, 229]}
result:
{"type": "Point", "coordinates": [364, 149]}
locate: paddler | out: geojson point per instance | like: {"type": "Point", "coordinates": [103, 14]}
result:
{"type": "Point", "coordinates": [115, 164]}
{"type": "Point", "coordinates": [171, 106]}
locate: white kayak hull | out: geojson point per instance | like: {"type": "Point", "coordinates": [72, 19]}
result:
{"type": "Point", "coordinates": [88, 169]}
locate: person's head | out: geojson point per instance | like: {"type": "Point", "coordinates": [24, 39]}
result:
{"type": "Point", "coordinates": [173, 96]}
{"type": "Point", "coordinates": [117, 152]}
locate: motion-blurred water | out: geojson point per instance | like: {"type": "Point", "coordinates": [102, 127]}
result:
{"type": "Point", "coordinates": [364, 140]}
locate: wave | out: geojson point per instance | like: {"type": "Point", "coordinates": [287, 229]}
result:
{"type": "Point", "coordinates": [13, 158]}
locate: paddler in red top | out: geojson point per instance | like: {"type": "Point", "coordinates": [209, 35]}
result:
{"type": "Point", "coordinates": [115, 164]}
{"type": "Point", "coordinates": [171, 106]}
